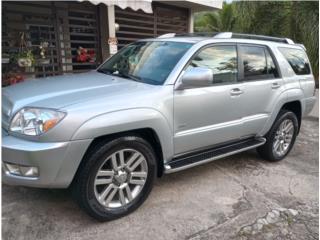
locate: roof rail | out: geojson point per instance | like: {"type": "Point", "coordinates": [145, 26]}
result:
{"type": "Point", "coordinates": [194, 34]}
{"type": "Point", "coordinates": [167, 35]}
{"type": "Point", "coordinates": [221, 35]}
{"type": "Point", "coordinates": [253, 36]}
{"type": "Point", "coordinates": [302, 46]}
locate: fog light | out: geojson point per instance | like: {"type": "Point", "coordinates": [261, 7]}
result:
{"type": "Point", "coordinates": [29, 171]}
{"type": "Point", "coordinates": [13, 169]}
{"type": "Point", "coordinates": [23, 171]}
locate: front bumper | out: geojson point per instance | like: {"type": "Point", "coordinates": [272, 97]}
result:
{"type": "Point", "coordinates": [57, 162]}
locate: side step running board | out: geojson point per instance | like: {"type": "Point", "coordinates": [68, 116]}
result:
{"type": "Point", "coordinates": [198, 158]}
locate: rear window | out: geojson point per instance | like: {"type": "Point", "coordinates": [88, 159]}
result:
{"type": "Point", "coordinates": [297, 59]}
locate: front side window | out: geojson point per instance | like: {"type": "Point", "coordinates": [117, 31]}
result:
{"type": "Point", "coordinates": [222, 60]}
{"type": "Point", "coordinates": [148, 62]}
{"type": "Point", "coordinates": [297, 59]}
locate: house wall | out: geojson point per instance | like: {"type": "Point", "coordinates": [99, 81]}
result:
{"type": "Point", "coordinates": [67, 26]}
{"type": "Point", "coordinates": [135, 25]}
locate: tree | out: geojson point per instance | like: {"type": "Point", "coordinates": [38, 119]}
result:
{"type": "Point", "coordinates": [306, 18]}
{"type": "Point", "coordinates": [217, 21]}
{"type": "Point", "coordinates": [292, 19]}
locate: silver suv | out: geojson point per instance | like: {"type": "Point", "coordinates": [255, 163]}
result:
{"type": "Point", "coordinates": [158, 106]}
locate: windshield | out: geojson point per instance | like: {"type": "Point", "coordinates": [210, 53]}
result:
{"type": "Point", "coordinates": [148, 62]}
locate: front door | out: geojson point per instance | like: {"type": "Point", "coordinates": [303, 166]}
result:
{"type": "Point", "coordinates": [206, 116]}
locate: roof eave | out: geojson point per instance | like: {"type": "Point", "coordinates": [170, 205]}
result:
{"type": "Point", "coordinates": [196, 5]}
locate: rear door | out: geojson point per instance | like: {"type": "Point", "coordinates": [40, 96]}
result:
{"type": "Point", "coordinates": [263, 85]}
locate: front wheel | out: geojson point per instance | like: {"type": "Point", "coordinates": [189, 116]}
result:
{"type": "Point", "coordinates": [281, 137]}
{"type": "Point", "coordinates": [116, 178]}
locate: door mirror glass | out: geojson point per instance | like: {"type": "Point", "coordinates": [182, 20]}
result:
{"type": "Point", "coordinates": [196, 77]}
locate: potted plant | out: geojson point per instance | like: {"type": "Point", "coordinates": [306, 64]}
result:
{"type": "Point", "coordinates": [12, 78]}
{"type": "Point", "coordinates": [25, 59]}
{"type": "Point", "coordinates": [85, 55]}
{"type": "Point", "coordinates": [43, 48]}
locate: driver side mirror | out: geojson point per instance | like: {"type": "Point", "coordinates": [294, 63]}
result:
{"type": "Point", "coordinates": [196, 77]}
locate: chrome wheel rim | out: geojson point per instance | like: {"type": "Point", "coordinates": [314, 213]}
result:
{"type": "Point", "coordinates": [283, 138]}
{"type": "Point", "coordinates": [120, 178]}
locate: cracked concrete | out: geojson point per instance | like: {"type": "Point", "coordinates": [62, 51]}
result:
{"type": "Point", "coordinates": [239, 197]}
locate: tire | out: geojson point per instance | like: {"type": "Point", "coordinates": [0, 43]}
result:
{"type": "Point", "coordinates": [269, 151]}
{"type": "Point", "coordinates": [97, 175]}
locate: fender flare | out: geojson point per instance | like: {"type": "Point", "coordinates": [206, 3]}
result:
{"type": "Point", "coordinates": [129, 120]}
{"type": "Point", "coordinates": [287, 96]}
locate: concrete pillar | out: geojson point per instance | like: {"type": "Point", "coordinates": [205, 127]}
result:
{"type": "Point", "coordinates": [111, 21]}
{"type": "Point", "coordinates": [191, 21]}
{"type": "Point", "coordinates": [104, 32]}
{"type": "Point", "coordinates": [111, 27]}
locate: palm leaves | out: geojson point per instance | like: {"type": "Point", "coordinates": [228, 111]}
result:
{"type": "Point", "coordinates": [292, 19]}
{"type": "Point", "coordinates": [217, 21]}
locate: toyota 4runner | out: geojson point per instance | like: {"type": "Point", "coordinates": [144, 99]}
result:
{"type": "Point", "coordinates": [157, 106]}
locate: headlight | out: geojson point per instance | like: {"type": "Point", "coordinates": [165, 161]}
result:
{"type": "Point", "coordinates": [35, 121]}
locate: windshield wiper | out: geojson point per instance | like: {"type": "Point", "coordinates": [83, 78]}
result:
{"type": "Point", "coordinates": [120, 74]}
{"type": "Point", "coordinates": [127, 75]}
{"type": "Point", "coordinates": [105, 71]}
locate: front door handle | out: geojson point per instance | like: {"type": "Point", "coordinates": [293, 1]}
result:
{"type": "Point", "coordinates": [275, 85]}
{"type": "Point", "coordinates": [236, 92]}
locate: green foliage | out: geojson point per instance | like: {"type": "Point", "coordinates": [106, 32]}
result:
{"type": "Point", "coordinates": [217, 21]}
{"type": "Point", "coordinates": [298, 20]}
{"type": "Point", "coordinates": [25, 54]}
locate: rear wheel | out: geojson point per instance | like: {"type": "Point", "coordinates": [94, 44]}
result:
{"type": "Point", "coordinates": [281, 137]}
{"type": "Point", "coordinates": [116, 178]}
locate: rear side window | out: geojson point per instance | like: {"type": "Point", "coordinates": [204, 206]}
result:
{"type": "Point", "coordinates": [257, 63]}
{"type": "Point", "coordinates": [221, 59]}
{"type": "Point", "coordinates": [297, 59]}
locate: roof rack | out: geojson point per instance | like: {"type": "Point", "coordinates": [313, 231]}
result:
{"type": "Point", "coordinates": [196, 34]}
{"type": "Point", "coordinates": [221, 35]}
{"type": "Point", "coordinates": [167, 35]}
{"type": "Point", "coordinates": [262, 37]}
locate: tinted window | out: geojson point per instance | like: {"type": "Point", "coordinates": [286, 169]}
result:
{"type": "Point", "coordinates": [222, 60]}
{"type": "Point", "coordinates": [271, 67]}
{"type": "Point", "coordinates": [254, 62]}
{"type": "Point", "coordinates": [297, 59]}
{"type": "Point", "coordinates": [148, 62]}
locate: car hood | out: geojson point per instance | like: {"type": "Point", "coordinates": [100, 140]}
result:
{"type": "Point", "coordinates": [61, 91]}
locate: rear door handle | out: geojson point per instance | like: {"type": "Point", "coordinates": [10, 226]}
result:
{"type": "Point", "coordinates": [275, 85]}
{"type": "Point", "coordinates": [236, 92]}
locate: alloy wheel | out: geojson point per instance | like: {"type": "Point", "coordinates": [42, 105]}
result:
{"type": "Point", "coordinates": [283, 138]}
{"type": "Point", "coordinates": [120, 178]}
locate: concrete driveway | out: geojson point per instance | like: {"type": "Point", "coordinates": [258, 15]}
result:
{"type": "Point", "coordinates": [239, 197]}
